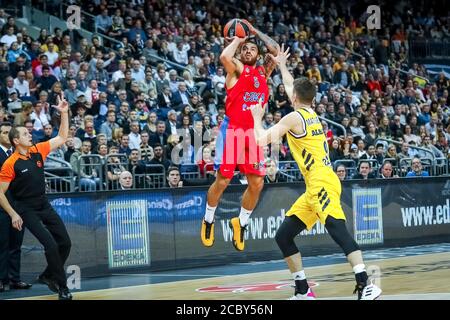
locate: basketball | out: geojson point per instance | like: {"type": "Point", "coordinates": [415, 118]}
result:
{"type": "Point", "coordinates": [237, 27]}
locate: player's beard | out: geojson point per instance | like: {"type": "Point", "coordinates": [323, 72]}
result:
{"type": "Point", "coordinates": [249, 61]}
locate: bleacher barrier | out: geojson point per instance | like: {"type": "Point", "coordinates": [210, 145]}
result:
{"type": "Point", "coordinates": [59, 176]}
{"type": "Point", "coordinates": [114, 165]}
{"type": "Point", "coordinates": [159, 229]}
{"type": "Point", "coordinates": [290, 170]}
{"type": "Point", "coordinates": [153, 177]}
{"type": "Point", "coordinates": [90, 173]}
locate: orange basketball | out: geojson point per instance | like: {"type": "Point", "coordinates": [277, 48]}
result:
{"type": "Point", "coordinates": [236, 27]}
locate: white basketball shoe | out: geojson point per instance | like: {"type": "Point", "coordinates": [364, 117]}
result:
{"type": "Point", "coordinates": [369, 292]}
{"type": "Point", "coordinates": [307, 296]}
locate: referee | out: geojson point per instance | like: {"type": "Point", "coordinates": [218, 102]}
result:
{"type": "Point", "coordinates": [10, 238]}
{"type": "Point", "coordinates": [23, 174]}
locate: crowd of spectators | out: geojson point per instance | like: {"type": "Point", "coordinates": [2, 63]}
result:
{"type": "Point", "coordinates": [124, 99]}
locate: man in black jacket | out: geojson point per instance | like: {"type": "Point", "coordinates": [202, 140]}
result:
{"type": "Point", "coordinates": [365, 171]}
{"type": "Point", "coordinates": [10, 239]}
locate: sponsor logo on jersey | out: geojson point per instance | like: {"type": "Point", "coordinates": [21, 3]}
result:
{"type": "Point", "coordinates": [253, 96]}
{"type": "Point", "coordinates": [256, 82]}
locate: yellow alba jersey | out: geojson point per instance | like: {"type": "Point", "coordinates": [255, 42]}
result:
{"type": "Point", "coordinates": [310, 150]}
{"type": "Point", "coordinates": [323, 188]}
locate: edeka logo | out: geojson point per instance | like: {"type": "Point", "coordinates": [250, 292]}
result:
{"type": "Point", "coordinates": [368, 216]}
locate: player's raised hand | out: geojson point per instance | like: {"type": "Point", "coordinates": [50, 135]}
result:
{"type": "Point", "coordinates": [257, 110]}
{"type": "Point", "coordinates": [63, 105]}
{"type": "Point", "coordinates": [282, 56]}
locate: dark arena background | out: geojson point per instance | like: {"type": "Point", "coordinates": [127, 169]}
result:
{"type": "Point", "coordinates": [146, 91]}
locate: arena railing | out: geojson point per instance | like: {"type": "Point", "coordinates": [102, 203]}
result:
{"type": "Point", "coordinates": [114, 164]}
{"type": "Point", "coordinates": [350, 166]}
{"type": "Point", "coordinates": [291, 170]}
{"type": "Point", "coordinates": [154, 177]}
{"type": "Point", "coordinates": [189, 171]}
{"type": "Point", "coordinates": [334, 124]}
{"type": "Point", "coordinates": [412, 147]}
{"type": "Point", "coordinates": [429, 49]}
{"type": "Point", "coordinates": [90, 173]}
{"type": "Point", "coordinates": [59, 179]}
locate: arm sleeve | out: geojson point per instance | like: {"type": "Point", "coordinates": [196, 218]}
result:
{"type": "Point", "coordinates": [7, 173]}
{"type": "Point", "coordinates": [44, 149]}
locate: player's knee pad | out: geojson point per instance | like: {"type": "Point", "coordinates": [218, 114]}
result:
{"type": "Point", "coordinates": [338, 231]}
{"type": "Point", "coordinates": [285, 235]}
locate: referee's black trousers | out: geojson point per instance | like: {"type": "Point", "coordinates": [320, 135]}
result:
{"type": "Point", "coordinates": [10, 249]}
{"type": "Point", "coordinates": [46, 225]}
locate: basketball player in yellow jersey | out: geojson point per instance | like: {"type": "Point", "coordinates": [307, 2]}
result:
{"type": "Point", "coordinates": [321, 201]}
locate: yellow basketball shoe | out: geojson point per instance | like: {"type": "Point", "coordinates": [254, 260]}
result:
{"type": "Point", "coordinates": [238, 233]}
{"type": "Point", "coordinates": [207, 233]}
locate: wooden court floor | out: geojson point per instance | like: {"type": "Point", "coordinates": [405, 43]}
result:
{"type": "Point", "coordinates": [414, 277]}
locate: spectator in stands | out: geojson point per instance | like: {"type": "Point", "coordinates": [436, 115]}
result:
{"type": "Point", "coordinates": [8, 38]}
{"type": "Point", "coordinates": [391, 154]}
{"type": "Point", "coordinates": [160, 136]}
{"type": "Point", "coordinates": [135, 165]}
{"type": "Point", "coordinates": [88, 175]}
{"type": "Point", "coordinates": [134, 136]}
{"type": "Point", "coordinates": [102, 151]}
{"type": "Point", "coordinates": [341, 172]}
{"type": "Point", "coordinates": [365, 171]}
{"type": "Point", "coordinates": [24, 115]}
{"type": "Point", "coordinates": [380, 154]}
{"type": "Point", "coordinates": [387, 171]}
{"type": "Point", "coordinates": [88, 133]}
{"type": "Point", "coordinates": [273, 175]}
{"type": "Point", "coordinates": [174, 178]}
{"type": "Point", "coordinates": [48, 133]}
{"type": "Point", "coordinates": [22, 85]}
{"type": "Point", "coordinates": [108, 127]}
{"type": "Point", "coordinates": [282, 102]}
{"type": "Point", "coordinates": [416, 169]}
{"type": "Point", "coordinates": [46, 81]}
{"type": "Point", "coordinates": [103, 22]}
{"type": "Point", "coordinates": [70, 149]}
{"type": "Point", "coordinates": [159, 157]}
{"type": "Point", "coordinates": [124, 145]}
{"type": "Point", "coordinates": [171, 123]}
{"type": "Point", "coordinates": [125, 180]}
{"type": "Point", "coordinates": [145, 149]}
{"type": "Point", "coordinates": [335, 152]}
{"type": "Point", "coordinates": [404, 153]}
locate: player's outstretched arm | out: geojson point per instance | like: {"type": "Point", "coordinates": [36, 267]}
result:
{"type": "Point", "coordinates": [288, 80]}
{"type": "Point", "coordinates": [63, 109]}
{"type": "Point", "coordinates": [275, 133]}
{"type": "Point", "coordinates": [271, 44]}
{"type": "Point", "coordinates": [227, 58]}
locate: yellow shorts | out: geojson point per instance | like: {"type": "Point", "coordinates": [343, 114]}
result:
{"type": "Point", "coordinates": [321, 199]}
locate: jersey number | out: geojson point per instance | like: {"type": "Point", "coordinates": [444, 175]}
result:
{"type": "Point", "coordinates": [326, 160]}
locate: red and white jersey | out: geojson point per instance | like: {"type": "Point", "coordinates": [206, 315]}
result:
{"type": "Point", "coordinates": [248, 90]}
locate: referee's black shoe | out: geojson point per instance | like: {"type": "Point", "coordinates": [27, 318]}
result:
{"type": "Point", "coordinates": [52, 285]}
{"type": "Point", "coordinates": [64, 294]}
